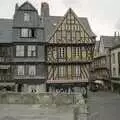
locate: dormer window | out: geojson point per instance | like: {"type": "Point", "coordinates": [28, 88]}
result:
{"type": "Point", "coordinates": [26, 17]}
{"type": "Point", "coordinates": [27, 33]}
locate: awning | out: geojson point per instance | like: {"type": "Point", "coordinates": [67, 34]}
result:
{"type": "Point", "coordinates": [67, 81]}
{"type": "Point", "coordinates": [99, 82]}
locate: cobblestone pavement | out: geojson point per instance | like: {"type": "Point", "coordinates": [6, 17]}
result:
{"type": "Point", "coordinates": [104, 106]}
{"type": "Point", "coordinates": [35, 112]}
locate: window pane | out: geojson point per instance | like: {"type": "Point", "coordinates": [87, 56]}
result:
{"type": "Point", "coordinates": [61, 52]}
{"type": "Point", "coordinates": [24, 32]}
{"type": "Point", "coordinates": [27, 33]}
{"type": "Point", "coordinates": [19, 50]}
{"type": "Point", "coordinates": [26, 17]}
{"type": "Point", "coordinates": [31, 50]}
{"type": "Point", "coordinates": [77, 70]}
{"type": "Point", "coordinates": [20, 70]}
{"type": "Point", "coordinates": [61, 71]}
{"type": "Point", "coordinates": [32, 70]}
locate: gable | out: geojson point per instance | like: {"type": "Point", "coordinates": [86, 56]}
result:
{"type": "Point", "coordinates": [101, 47]}
{"type": "Point", "coordinates": [70, 30]}
{"type": "Point", "coordinates": [27, 6]}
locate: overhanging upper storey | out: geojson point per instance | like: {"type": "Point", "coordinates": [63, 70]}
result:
{"type": "Point", "coordinates": [71, 30]}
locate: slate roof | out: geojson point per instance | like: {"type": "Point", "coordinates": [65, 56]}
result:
{"type": "Point", "coordinates": [116, 42]}
{"type": "Point", "coordinates": [108, 41]}
{"type": "Point", "coordinates": [52, 21]}
{"type": "Point", "coordinates": [6, 30]}
{"type": "Point", "coordinates": [27, 6]}
{"type": "Point", "coordinates": [49, 24]}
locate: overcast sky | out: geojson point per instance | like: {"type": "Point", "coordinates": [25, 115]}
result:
{"type": "Point", "coordinates": [103, 15]}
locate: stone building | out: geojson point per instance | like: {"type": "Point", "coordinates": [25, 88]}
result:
{"type": "Point", "coordinates": [115, 65]}
{"type": "Point", "coordinates": [44, 52]}
{"type": "Point", "coordinates": [101, 65]}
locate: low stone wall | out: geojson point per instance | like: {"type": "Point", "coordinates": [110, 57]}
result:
{"type": "Point", "coordinates": [79, 108]}
{"type": "Point", "coordinates": [41, 98]}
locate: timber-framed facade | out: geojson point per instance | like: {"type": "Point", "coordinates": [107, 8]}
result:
{"type": "Point", "coordinates": [69, 53]}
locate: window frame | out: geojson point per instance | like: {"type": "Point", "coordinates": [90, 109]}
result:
{"type": "Point", "coordinates": [30, 33]}
{"type": "Point", "coordinates": [118, 63]}
{"type": "Point", "coordinates": [113, 58]}
{"type": "Point", "coordinates": [22, 70]}
{"type": "Point", "coordinates": [33, 73]}
{"type": "Point", "coordinates": [19, 52]}
{"type": "Point", "coordinates": [30, 50]}
{"type": "Point", "coordinates": [61, 52]}
{"type": "Point", "coordinates": [26, 17]}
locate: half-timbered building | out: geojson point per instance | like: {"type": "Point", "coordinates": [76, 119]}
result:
{"type": "Point", "coordinates": [69, 53]}
{"type": "Point", "coordinates": [38, 50]}
{"type": "Point", "coordinates": [101, 71]}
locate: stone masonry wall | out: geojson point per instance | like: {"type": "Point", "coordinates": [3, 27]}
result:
{"type": "Point", "coordinates": [41, 98]}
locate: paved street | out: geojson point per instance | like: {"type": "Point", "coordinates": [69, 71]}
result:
{"type": "Point", "coordinates": [104, 106]}
{"type": "Point", "coordinates": [34, 112]}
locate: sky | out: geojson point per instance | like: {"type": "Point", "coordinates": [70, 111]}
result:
{"type": "Point", "coordinates": [103, 15]}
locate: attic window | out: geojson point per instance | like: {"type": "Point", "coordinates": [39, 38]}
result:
{"type": "Point", "coordinates": [26, 17]}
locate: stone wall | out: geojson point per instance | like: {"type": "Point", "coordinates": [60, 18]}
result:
{"type": "Point", "coordinates": [41, 98]}
{"type": "Point", "coordinates": [74, 102]}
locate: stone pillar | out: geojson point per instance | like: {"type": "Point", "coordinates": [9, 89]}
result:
{"type": "Point", "coordinates": [80, 112]}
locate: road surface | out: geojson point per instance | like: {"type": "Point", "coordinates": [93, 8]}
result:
{"type": "Point", "coordinates": [104, 106]}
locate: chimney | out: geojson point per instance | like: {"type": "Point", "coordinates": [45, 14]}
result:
{"type": "Point", "coordinates": [16, 7]}
{"type": "Point", "coordinates": [116, 35]}
{"type": "Point", "coordinates": [44, 9]}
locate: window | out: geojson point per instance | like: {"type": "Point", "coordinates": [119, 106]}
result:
{"type": "Point", "coordinates": [61, 71]}
{"type": "Point", "coordinates": [19, 50]}
{"type": "Point", "coordinates": [61, 52]}
{"type": "Point", "coordinates": [26, 17]}
{"type": "Point", "coordinates": [32, 70]}
{"type": "Point", "coordinates": [20, 70]}
{"type": "Point", "coordinates": [118, 63]}
{"type": "Point", "coordinates": [31, 50]}
{"type": "Point", "coordinates": [77, 70]}
{"type": "Point", "coordinates": [113, 58]}
{"type": "Point", "coordinates": [68, 36]}
{"type": "Point", "coordinates": [28, 33]}
{"type": "Point", "coordinates": [78, 51]}
{"type": "Point", "coordinates": [78, 35]}
{"type": "Point", "coordinates": [114, 71]}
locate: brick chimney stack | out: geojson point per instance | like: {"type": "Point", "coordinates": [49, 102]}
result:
{"type": "Point", "coordinates": [44, 9]}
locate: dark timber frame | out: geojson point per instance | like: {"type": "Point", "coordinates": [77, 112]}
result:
{"type": "Point", "coordinates": [69, 53]}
